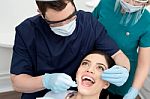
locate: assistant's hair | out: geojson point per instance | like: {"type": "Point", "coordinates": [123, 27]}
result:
{"type": "Point", "coordinates": [56, 5]}
{"type": "Point", "coordinates": [108, 58]}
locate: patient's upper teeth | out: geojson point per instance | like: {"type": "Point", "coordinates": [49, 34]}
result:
{"type": "Point", "coordinates": [86, 77]}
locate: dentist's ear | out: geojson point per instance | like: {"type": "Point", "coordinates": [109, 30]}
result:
{"type": "Point", "coordinates": [40, 13]}
{"type": "Point", "coordinates": [106, 85]}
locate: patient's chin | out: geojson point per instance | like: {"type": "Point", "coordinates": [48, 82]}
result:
{"type": "Point", "coordinates": [84, 91]}
{"type": "Point", "coordinates": [88, 89]}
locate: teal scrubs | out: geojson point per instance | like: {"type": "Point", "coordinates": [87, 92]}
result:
{"type": "Point", "coordinates": [128, 37]}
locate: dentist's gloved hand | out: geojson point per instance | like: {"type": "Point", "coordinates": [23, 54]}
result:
{"type": "Point", "coordinates": [132, 93]}
{"type": "Point", "coordinates": [58, 82]}
{"type": "Point", "coordinates": [116, 75]}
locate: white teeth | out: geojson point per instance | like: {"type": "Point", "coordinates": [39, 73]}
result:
{"type": "Point", "coordinates": [86, 77]}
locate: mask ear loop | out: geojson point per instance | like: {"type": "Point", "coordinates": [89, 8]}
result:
{"type": "Point", "coordinates": [42, 14]}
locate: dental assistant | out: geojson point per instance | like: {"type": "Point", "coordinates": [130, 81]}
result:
{"type": "Point", "coordinates": [131, 31]}
{"type": "Point", "coordinates": [49, 47]}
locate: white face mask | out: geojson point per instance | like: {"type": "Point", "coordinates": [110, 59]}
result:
{"type": "Point", "coordinates": [65, 30]}
{"type": "Point", "coordinates": [130, 8]}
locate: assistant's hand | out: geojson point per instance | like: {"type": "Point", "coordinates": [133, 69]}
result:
{"type": "Point", "coordinates": [58, 82]}
{"type": "Point", "coordinates": [116, 75]}
{"type": "Point", "coordinates": [132, 93]}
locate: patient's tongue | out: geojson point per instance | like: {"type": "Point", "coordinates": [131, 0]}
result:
{"type": "Point", "coordinates": [87, 83]}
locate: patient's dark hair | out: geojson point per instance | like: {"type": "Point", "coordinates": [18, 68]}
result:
{"type": "Point", "coordinates": [108, 58]}
{"type": "Point", "coordinates": [56, 5]}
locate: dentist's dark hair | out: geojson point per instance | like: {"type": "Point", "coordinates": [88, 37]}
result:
{"type": "Point", "coordinates": [56, 5]}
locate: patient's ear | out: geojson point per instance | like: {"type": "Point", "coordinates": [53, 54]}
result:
{"type": "Point", "coordinates": [106, 85]}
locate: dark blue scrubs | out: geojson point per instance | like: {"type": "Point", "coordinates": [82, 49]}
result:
{"type": "Point", "coordinates": [37, 50]}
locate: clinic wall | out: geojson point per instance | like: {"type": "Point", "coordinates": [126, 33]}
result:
{"type": "Point", "coordinates": [5, 57]}
{"type": "Point", "coordinates": [12, 13]}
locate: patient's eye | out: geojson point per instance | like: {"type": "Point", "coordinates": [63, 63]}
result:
{"type": "Point", "coordinates": [85, 63]}
{"type": "Point", "coordinates": [100, 67]}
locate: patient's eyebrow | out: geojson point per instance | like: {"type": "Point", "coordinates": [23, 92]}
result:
{"type": "Point", "coordinates": [87, 60]}
{"type": "Point", "coordinates": [96, 63]}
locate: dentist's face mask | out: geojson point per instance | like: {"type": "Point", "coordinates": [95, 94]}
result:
{"type": "Point", "coordinates": [66, 29]}
{"type": "Point", "coordinates": [130, 8]}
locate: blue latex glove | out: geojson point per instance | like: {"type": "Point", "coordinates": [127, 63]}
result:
{"type": "Point", "coordinates": [116, 75]}
{"type": "Point", "coordinates": [132, 93]}
{"type": "Point", "coordinates": [58, 82]}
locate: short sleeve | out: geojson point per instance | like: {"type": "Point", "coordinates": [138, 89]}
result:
{"type": "Point", "coordinates": [21, 61]}
{"type": "Point", "coordinates": [103, 40]}
{"type": "Point", "coordinates": [145, 39]}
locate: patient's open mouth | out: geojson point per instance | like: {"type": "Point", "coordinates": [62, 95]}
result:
{"type": "Point", "coordinates": [87, 81]}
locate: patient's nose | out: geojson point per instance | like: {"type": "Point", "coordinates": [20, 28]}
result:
{"type": "Point", "coordinates": [90, 70]}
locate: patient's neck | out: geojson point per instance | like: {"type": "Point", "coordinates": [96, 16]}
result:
{"type": "Point", "coordinates": [80, 96]}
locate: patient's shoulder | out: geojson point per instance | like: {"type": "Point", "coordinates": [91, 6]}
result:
{"type": "Point", "coordinates": [63, 95]}
{"type": "Point", "coordinates": [71, 95]}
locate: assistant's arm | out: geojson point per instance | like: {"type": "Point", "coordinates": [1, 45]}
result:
{"type": "Point", "coordinates": [141, 72]}
{"type": "Point", "coordinates": [121, 59]}
{"type": "Point", "coordinates": [142, 67]}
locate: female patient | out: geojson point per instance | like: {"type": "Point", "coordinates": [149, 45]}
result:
{"type": "Point", "coordinates": [87, 77]}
